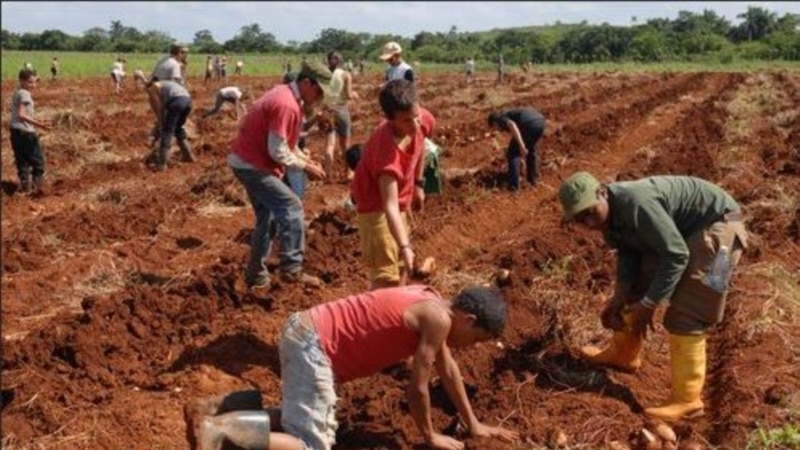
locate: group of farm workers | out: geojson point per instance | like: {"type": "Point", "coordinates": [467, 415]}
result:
{"type": "Point", "coordinates": [677, 241]}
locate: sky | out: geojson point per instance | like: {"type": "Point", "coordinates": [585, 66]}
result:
{"type": "Point", "coordinates": [302, 21]}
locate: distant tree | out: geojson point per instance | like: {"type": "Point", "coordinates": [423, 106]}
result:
{"type": "Point", "coordinates": [204, 42]}
{"type": "Point", "coordinates": [94, 40]}
{"type": "Point", "coordinates": [55, 40]}
{"type": "Point", "coordinates": [252, 39]}
{"type": "Point", "coordinates": [757, 24]}
{"type": "Point", "coordinates": [9, 40]}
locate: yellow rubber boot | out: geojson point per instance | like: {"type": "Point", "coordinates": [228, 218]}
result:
{"type": "Point", "coordinates": [688, 361]}
{"type": "Point", "coordinates": [622, 353]}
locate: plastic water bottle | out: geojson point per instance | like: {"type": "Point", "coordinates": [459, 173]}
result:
{"type": "Point", "coordinates": [720, 271]}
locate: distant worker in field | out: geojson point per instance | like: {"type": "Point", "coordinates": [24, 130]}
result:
{"type": "Point", "coordinates": [342, 92]}
{"type": "Point", "coordinates": [469, 70]}
{"type": "Point", "coordinates": [356, 337]}
{"type": "Point", "coordinates": [172, 66]}
{"type": "Point", "coordinates": [173, 103]}
{"type": "Point", "coordinates": [209, 69]}
{"type": "Point", "coordinates": [501, 69]}
{"type": "Point", "coordinates": [54, 68]}
{"type": "Point", "coordinates": [28, 66]}
{"type": "Point", "coordinates": [223, 68]}
{"type": "Point", "coordinates": [264, 147]}
{"type": "Point", "coordinates": [228, 94]}
{"type": "Point", "coordinates": [118, 74]}
{"type": "Point", "coordinates": [239, 67]}
{"type": "Point", "coordinates": [386, 182]}
{"type": "Point", "coordinates": [525, 127]}
{"type": "Point", "coordinates": [398, 69]}
{"type": "Point", "coordinates": [678, 239]}
{"type": "Point", "coordinates": [28, 152]}
{"type": "Point", "coordinates": [139, 77]}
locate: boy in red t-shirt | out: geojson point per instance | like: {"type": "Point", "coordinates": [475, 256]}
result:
{"type": "Point", "coordinates": [388, 178]}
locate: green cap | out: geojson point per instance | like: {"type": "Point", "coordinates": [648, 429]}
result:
{"type": "Point", "coordinates": [577, 193]}
{"type": "Point", "coordinates": [318, 72]}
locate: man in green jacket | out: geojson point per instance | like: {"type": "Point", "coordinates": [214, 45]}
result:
{"type": "Point", "coordinates": [677, 240]}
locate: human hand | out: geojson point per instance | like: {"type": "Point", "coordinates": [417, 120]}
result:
{"type": "Point", "coordinates": [418, 200]}
{"type": "Point", "coordinates": [440, 441]}
{"type": "Point", "coordinates": [523, 152]}
{"type": "Point", "coordinates": [485, 431]}
{"type": "Point", "coordinates": [407, 253]}
{"type": "Point", "coordinates": [611, 317]}
{"type": "Point", "coordinates": [315, 171]}
{"type": "Point", "coordinates": [642, 319]}
{"type": "Point", "coordinates": [45, 124]}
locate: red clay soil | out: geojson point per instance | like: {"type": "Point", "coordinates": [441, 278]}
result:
{"type": "Point", "coordinates": [123, 298]}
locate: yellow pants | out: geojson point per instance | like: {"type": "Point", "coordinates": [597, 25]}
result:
{"type": "Point", "coordinates": [380, 251]}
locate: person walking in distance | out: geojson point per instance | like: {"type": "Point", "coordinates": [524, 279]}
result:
{"type": "Point", "coordinates": [677, 240]}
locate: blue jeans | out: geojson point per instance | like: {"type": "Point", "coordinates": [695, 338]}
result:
{"type": "Point", "coordinates": [297, 180]}
{"type": "Point", "coordinates": [308, 403]}
{"type": "Point", "coordinates": [175, 114]}
{"type": "Point", "coordinates": [274, 204]}
{"type": "Point", "coordinates": [531, 174]}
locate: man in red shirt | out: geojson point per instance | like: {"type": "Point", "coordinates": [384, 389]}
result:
{"type": "Point", "coordinates": [388, 178]}
{"type": "Point", "coordinates": [355, 337]}
{"type": "Point", "coordinates": [266, 145]}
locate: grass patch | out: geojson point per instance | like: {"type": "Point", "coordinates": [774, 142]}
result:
{"type": "Point", "coordinates": [785, 438]}
{"type": "Point", "coordinates": [780, 312]}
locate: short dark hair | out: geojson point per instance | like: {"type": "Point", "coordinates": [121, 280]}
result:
{"type": "Point", "coordinates": [288, 77]}
{"type": "Point", "coordinates": [397, 96]}
{"type": "Point", "coordinates": [486, 304]}
{"type": "Point", "coordinates": [26, 74]}
{"type": "Point", "coordinates": [352, 156]}
{"type": "Point", "coordinates": [496, 119]}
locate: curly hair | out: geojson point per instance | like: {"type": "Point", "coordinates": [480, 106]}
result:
{"type": "Point", "coordinates": [486, 304]}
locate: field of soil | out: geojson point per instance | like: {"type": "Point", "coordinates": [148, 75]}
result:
{"type": "Point", "coordinates": [123, 293]}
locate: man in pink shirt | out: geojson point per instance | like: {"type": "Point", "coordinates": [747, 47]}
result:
{"type": "Point", "coordinates": [267, 144]}
{"type": "Point", "coordinates": [355, 337]}
{"type": "Point", "coordinates": [388, 178]}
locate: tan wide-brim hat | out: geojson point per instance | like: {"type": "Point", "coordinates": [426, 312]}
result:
{"type": "Point", "coordinates": [390, 49]}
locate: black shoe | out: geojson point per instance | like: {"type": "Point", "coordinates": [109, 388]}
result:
{"type": "Point", "coordinates": [259, 282]}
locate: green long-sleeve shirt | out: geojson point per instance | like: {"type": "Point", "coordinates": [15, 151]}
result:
{"type": "Point", "coordinates": [656, 215]}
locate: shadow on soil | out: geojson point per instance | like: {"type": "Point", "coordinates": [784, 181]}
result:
{"type": "Point", "coordinates": [233, 354]}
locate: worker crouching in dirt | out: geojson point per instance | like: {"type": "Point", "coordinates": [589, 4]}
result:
{"type": "Point", "coordinates": [172, 103]}
{"type": "Point", "coordinates": [677, 238]}
{"type": "Point", "coordinates": [266, 145]}
{"type": "Point", "coordinates": [351, 338]}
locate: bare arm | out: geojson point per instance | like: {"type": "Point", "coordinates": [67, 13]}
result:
{"type": "Point", "coordinates": [391, 206]}
{"type": "Point", "coordinates": [155, 101]}
{"type": "Point", "coordinates": [348, 87]}
{"type": "Point", "coordinates": [23, 116]}
{"type": "Point", "coordinates": [448, 370]}
{"type": "Point", "coordinates": [515, 132]}
{"type": "Point", "coordinates": [433, 325]}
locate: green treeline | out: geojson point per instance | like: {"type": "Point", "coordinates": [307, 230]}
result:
{"type": "Point", "coordinates": [691, 36]}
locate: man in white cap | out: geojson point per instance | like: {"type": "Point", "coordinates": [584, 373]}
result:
{"type": "Point", "coordinates": [398, 69]}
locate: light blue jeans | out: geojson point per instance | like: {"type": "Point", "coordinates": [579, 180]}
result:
{"type": "Point", "coordinates": [273, 202]}
{"type": "Point", "coordinates": [308, 409]}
